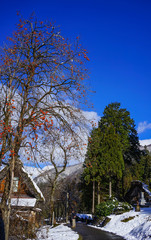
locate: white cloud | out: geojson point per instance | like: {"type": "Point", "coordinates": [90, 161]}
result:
{"type": "Point", "coordinates": [142, 126]}
{"type": "Point", "coordinates": [145, 142]}
{"type": "Point", "coordinates": [92, 117]}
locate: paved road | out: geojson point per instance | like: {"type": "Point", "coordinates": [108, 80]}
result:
{"type": "Point", "coordinates": [90, 233]}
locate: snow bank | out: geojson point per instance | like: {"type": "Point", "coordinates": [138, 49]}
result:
{"type": "Point", "coordinates": [139, 228]}
{"type": "Point", "coordinates": [142, 232]}
{"type": "Point", "coordinates": [60, 232]}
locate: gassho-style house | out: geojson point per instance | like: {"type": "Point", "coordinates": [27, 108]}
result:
{"type": "Point", "coordinates": [25, 199]}
{"type": "Point", "coordinates": [139, 191]}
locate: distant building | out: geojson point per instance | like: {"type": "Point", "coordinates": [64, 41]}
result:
{"type": "Point", "coordinates": [138, 192]}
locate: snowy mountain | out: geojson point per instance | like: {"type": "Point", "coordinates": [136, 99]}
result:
{"type": "Point", "coordinates": [42, 174]}
{"type": "Point", "coordinates": [147, 146]}
{"type": "Point", "coordinates": [50, 173]}
{"type": "Point", "coordinates": [34, 171]}
{"type": "Point", "coordinates": [145, 143]}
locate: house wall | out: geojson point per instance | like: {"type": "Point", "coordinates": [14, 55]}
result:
{"type": "Point", "coordinates": [22, 223]}
{"type": "Point", "coordinates": [2, 185]}
{"type": "Point", "coordinates": [22, 189]}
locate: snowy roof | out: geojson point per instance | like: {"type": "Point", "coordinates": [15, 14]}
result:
{"type": "Point", "coordinates": [142, 187]}
{"type": "Point", "coordinates": [23, 202]}
{"type": "Point", "coordinates": [145, 187]}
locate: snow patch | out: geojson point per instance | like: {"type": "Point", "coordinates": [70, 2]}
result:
{"type": "Point", "coordinates": [60, 232]}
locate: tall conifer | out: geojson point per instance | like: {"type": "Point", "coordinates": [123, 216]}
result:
{"type": "Point", "coordinates": [125, 128]}
{"type": "Point", "coordinates": [111, 157]}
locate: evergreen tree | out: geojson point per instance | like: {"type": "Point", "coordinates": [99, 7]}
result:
{"type": "Point", "coordinates": [91, 164]}
{"type": "Point", "coordinates": [111, 157]}
{"type": "Point", "coordinates": [125, 128]}
{"type": "Point", "coordinates": [113, 150]}
{"type": "Point", "coordinates": [92, 171]}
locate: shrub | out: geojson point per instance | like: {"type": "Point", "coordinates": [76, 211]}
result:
{"type": "Point", "coordinates": [122, 207]}
{"type": "Point", "coordinates": [105, 208]}
{"type": "Point", "coordinates": [112, 206]}
{"type": "Point", "coordinates": [127, 219]}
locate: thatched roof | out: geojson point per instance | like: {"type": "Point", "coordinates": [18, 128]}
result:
{"type": "Point", "coordinates": [3, 173]}
{"type": "Point", "coordinates": [135, 190]}
{"type": "Point", "coordinates": [25, 178]}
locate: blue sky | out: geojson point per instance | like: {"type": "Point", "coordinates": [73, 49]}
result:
{"type": "Point", "coordinates": [117, 35]}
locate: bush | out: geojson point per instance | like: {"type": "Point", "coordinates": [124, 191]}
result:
{"type": "Point", "coordinates": [127, 219]}
{"type": "Point", "coordinates": [105, 208]}
{"type": "Point", "coordinates": [112, 206]}
{"type": "Point", "coordinates": [122, 207]}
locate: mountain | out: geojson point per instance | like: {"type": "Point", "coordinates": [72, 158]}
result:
{"type": "Point", "coordinates": [145, 143]}
{"type": "Point", "coordinates": [70, 172]}
{"type": "Point", "coordinates": [147, 146]}
{"type": "Point", "coordinates": [34, 171]}
{"type": "Point", "coordinates": [43, 174]}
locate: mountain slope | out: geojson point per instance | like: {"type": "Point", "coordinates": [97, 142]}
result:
{"type": "Point", "coordinates": [69, 172]}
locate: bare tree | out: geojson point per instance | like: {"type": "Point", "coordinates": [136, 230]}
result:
{"type": "Point", "coordinates": [42, 84]}
{"type": "Point", "coordinates": [60, 149]}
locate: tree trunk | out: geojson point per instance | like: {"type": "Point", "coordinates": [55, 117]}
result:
{"type": "Point", "coordinates": [4, 207]}
{"type": "Point", "coordinates": [52, 214]}
{"type": "Point", "coordinates": [99, 196]}
{"type": "Point", "coordinates": [93, 198]}
{"type": "Point", "coordinates": [6, 223]}
{"type": "Point", "coordinates": [67, 207]}
{"type": "Point", "coordinates": [12, 166]}
{"type": "Point", "coordinates": [110, 189]}
{"type": "Point", "coordinates": [118, 188]}
{"type": "Point", "coordinates": [123, 184]}
{"type": "Point", "coordinates": [6, 199]}
{"type": "Point", "coordinates": [52, 210]}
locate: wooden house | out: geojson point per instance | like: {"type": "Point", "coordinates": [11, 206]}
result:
{"type": "Point", "coordinates": [138, 192]}
{"type": "Point", "coordinates": [25, 198]}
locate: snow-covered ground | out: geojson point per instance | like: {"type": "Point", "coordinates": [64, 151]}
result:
{"type": "Point", "coordinates": [139, 228]}
{"type": "Point", "coordinates": [60, 232]}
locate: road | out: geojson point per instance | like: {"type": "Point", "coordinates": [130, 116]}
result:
{"type": "Point", "coordinates": [90, 233]}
